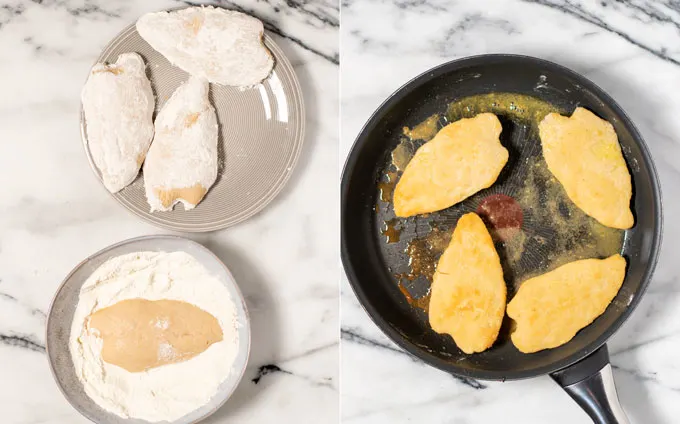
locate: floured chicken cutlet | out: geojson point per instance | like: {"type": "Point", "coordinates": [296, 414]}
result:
{"type": "Point", "coordinates": [464, 157]}
{"type": "Point", "coordinates": [468, 291]}
{"type": "Point", "coordinates": [550, 309]}
{"type": "Point", "coordinates": [223, 46]}
{"type": "Point", "coordinates": [118, 104]}
{"type": "Point", "coordinates": [182, 162]}
{"type": "Point", "coordinates": [583, 153]}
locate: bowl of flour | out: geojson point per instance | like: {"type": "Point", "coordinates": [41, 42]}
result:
{"type": "Point", "coordinates": [190, 326]}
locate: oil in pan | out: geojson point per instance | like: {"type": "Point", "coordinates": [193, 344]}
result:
{"type": "Point", "coordinates": [534, 224]}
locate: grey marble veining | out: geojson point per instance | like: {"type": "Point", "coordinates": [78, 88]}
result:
{"type": "Point", "coordinates": [630, 49]}
{"type": "Point", "coordinates": [54, 212]}
{"type": "Point", "coordinates": [298, 21]}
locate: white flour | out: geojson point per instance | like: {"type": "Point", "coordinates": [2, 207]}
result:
{"type": "Point", "coordinates": [222, 46]}
{"type": "Point", "coordinates": [182, 156]}
{"type": "Point", "coordinates": [167, 392]}
{"type": "Point", "coordinates": [118, 103]}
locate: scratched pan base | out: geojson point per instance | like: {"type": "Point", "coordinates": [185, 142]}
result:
{"type": "Point", "coordinates": [260, 138]}
{"type": "Point", "coordinates": [390, 261]}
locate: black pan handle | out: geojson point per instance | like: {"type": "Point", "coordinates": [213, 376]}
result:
{"type": "Point", "coordinates": [591, 384]}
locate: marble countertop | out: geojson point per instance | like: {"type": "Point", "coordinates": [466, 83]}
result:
{"type": "Point", "coordinates": [54, 213]}
{"type": "Point", "coordinates": [630, 49]}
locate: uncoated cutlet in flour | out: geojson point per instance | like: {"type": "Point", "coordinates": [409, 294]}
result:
{"type": "Point", "coordinates": [223, 46]}
{"type": "Point", "coordinates": [168, 392]}
{"type": "Point", "coordinates": [182, 162]}
{"type": "Point", "coordinates": [118, 104]}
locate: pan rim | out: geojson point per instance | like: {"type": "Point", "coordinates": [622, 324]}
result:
{"type": "Point", "coordinates": [348, 170]}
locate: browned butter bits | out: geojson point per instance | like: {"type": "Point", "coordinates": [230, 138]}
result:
{"type": "Point", "coordinates": [139, 334]}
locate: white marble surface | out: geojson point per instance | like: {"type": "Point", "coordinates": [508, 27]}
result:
{"type": "Point", "coordinates": [630, 49]}
{"type": "Point", "coordinates": [53, 213]}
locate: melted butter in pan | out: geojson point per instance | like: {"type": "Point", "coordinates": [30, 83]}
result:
{"type": "Point", "coordinates": [392, 230]}
{"type": "Point", "coordinates": [554, 231]}
{"type": "Point", "coordinates": [402, 155]}
{"type": "Point", "coordinates": [425, 130]}
{"type": "Point", "coordinates": [516, 107]}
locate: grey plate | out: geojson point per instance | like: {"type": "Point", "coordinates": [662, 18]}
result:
{"type": "Point", "coordinates": [60, 317]}
{"type": "Point", "coordinates": [260, 138]}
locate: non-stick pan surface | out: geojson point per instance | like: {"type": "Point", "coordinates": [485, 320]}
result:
{"type": "Point", "coordinates": [371, 266]}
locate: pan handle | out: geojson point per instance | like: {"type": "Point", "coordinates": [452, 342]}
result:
{"type": "Point", "coordinates": [591, 384]}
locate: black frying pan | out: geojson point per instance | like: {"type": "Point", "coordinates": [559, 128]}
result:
{"type": "Point", "coordinates": [581, 366]}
